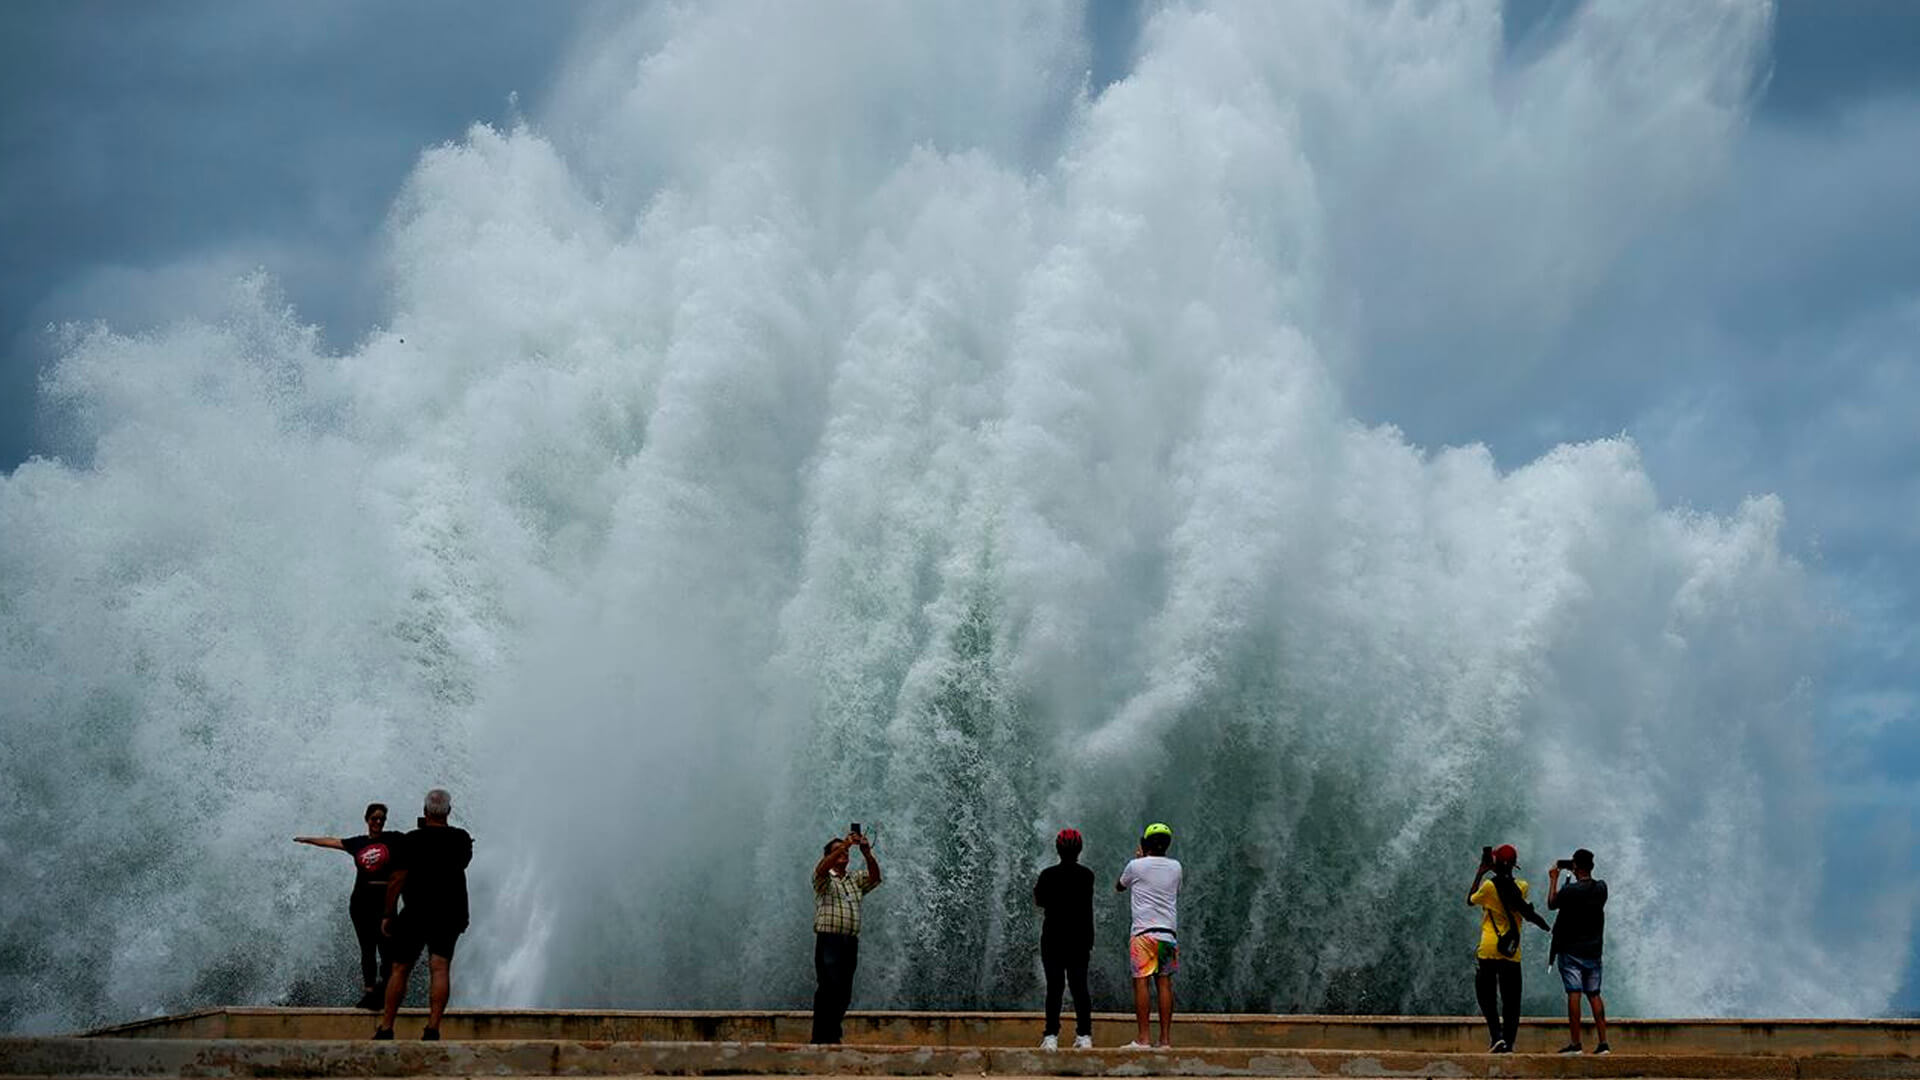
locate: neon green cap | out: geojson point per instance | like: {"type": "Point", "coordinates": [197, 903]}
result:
{"type": "Point", "coordinates": [1158, 829]}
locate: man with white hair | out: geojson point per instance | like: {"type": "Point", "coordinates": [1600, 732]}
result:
{"type": "Point", "coordinates": [430, 871]}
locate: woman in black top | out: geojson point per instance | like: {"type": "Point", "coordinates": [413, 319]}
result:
{"type": "Point", "coordinates": [372, 854]}
{"type": "Point", "coordinates": [1065, 893]}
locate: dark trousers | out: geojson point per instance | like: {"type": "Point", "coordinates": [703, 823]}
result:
{"type": "Point", "coordinates": [1497, 984]}
{"type": "Point", "coordinates": [365, 909]}
{"type": "Point", "coordinates": [1067, 967]}
{"type": "Point", "coordinates": [834, 958]}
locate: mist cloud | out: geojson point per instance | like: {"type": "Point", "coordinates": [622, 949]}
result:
{"type": "Point", "coordinates": [788, 410]}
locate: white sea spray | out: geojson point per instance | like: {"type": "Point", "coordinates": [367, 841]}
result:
{"type": "Point", "coordinates": [850, 414]}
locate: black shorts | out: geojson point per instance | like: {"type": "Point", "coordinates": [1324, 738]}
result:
{"type": "Point", "coordinates": [412, 932]}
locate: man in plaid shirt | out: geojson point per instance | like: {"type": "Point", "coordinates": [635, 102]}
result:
{"type": "Point", "coordinates": [836, 929]}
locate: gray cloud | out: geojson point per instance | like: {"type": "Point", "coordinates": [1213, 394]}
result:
{"type": "Point", "coordinates": [148, 147]}
{"type": "Point", "coordinates": [1830, 54]}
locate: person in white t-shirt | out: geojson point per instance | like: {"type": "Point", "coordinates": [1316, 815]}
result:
{"type": "Point", "coordinates": [1153, 950]}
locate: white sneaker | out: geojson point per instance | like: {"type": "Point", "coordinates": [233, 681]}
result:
{"type": "Point", "coordinates": [1049, 1042]}
{"type": "Point", "coordinates": [1137, 1045]}
{"type": "Point", "coordinates": [1083, 1042]}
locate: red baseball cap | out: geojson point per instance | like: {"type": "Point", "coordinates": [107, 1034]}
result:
{"type": "Point", "coordinates": [1505, 854]}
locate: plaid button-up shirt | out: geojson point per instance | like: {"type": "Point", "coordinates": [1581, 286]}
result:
{"type": "Point", "coordinates": [836, 901]}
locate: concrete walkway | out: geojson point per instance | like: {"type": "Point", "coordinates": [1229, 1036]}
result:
{"type": "Point", "coordinates": [290, 1043]}
{"type": "Point", "coordinates": [122, 1058]}
{"type": "Point", "coordinates": [952, 1030]}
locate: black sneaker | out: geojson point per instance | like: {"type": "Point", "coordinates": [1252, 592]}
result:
{"type": "Point", "coordinates": [1570, 1048]}
{"type": "Point", "coordinates": [1603, 1048]}
{"type": "Point", "coordinates": [430, 1034]}
{"type": "Point", "coordinates": [1499, 1047]}
{"type": "Point", "coordinates": [372, 1000]}
{"type": "Point", "coordinates": [382, 1034]}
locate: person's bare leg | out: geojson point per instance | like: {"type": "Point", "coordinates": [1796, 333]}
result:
{"type": "Point", "coordinates": [1166, 1010]}
{"type": "Point", "coordinates": [1599, 1017]}
{"type": "Point", "coordinates": [396, 990]}
{"type": "Point", "coordinates": [1140, 1011]}
{"type": "Point", "coordinates": [439, 988]}
{"type": "Point", "coordinates": [1573, 1018]}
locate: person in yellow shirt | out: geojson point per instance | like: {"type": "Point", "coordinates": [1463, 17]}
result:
{"type": "Point", "coordinates": [1502, 900]}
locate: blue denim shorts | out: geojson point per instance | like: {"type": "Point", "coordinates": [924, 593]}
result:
{"type": "Point", "coordinates": [1579, 976]}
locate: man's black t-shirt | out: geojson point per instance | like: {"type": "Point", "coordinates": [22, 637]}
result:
{"type": "Point", "coordinates": [1065, 893]}
{"type": "Point", "coordinates": [1583, 918]}
{"type": "Point", "coordinates": [372, 859]}
{"type": "Point", "coordinates": [435, 858]}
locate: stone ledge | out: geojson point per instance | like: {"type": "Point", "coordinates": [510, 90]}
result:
{"type": "Point", "coordinates": [955, 1030]}
{"type": "Point", "coordinates": [75, 1058]}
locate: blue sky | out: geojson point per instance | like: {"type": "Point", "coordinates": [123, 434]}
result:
{"type": "Point", "coordinates": [1768, 340]}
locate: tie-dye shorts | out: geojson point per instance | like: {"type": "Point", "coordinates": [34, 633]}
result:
{"type": "Point", "coordinates": [1152, 956]}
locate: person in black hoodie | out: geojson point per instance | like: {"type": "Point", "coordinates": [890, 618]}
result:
{"type": "Point", "coordinates": [1496, 982]}
{"type": "Point", "coordinates": [1065, 893]}
{"type": "Point", "coordinates": [430, 872]}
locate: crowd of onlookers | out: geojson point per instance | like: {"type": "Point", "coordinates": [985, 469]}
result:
{"type": "Point", "coordinates": [410, 894]}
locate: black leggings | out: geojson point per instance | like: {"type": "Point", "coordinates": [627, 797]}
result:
{"type": "Point", "coordinates": [1067, 967]}
{"type": "Point", "coordinates": [1497, 983]}
{"type": "Point", "coordinates": [366, 909]}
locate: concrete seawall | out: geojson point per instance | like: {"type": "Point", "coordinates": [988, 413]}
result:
{"type": "Point", "coordinates": [1438, 1034]}
{"type": "Point", "coordinates": [289, 1043]}
{"type": "Point", "coordinates": [76, 1058]}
